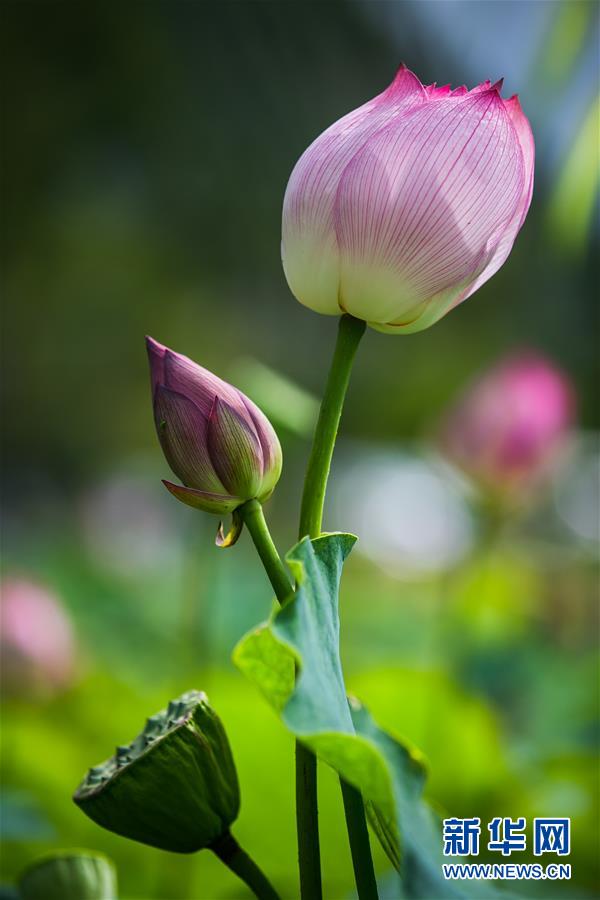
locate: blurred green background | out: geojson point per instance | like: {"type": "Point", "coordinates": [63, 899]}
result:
{"type": "Point", "coordinates": [146, 151]}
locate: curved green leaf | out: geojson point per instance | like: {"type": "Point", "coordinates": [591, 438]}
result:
{"type": "Point", "coordinates": [303, 637]}
{"type": "Point", "coordinates": [294, 660]}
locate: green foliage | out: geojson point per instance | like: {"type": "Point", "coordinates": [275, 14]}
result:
{"type": "Point", "coordinates": [304, 635]}
{"type": "Point", "coordinates": [506, 725]}
{"type": "Point", "coordinates": [47, 746]}
{"type": "Point", "coordinates": [573, 202]}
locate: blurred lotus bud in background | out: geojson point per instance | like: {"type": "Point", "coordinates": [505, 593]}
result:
{"type": "Point", "coordinates": [69, 875]}
{"type": "Point", "coordinates": [403, 208]}
{"type": "Point", "coordinates": [508, 429]}
{"type": "Point", "coordinates": [221, 446]}
{"type": "Point", "coordinates": [37, 642]}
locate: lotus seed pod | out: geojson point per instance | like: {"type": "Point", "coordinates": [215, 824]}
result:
{"type": "Point", "coordinates": [174, 786]}
{"type": "Point", "coordinates": [69, 875]}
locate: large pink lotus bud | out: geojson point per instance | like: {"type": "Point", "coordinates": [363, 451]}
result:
{"type": "Point", "coordinates": [404, 207]}
{"type": "Point", "coordinates": [507, 428]}
{"type": "Point", "coordinates": [215, 439]}
{"type": "Point", "coordinates": [36, 638]}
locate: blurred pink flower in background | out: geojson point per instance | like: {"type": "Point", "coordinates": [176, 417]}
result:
{"type": "Point", "coordinates": [37, 643]}
{"type": "Point", "coordinates": [507, 429]}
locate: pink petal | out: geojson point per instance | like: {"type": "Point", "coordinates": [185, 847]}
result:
{"type": "Point", "coordinates": [182, 431]}
{"type": "Point", "coordinates": [425, 314]}
{"type": "Point", "coordinates": [504, 245]}
{"type": "Point", "coordinates": [156, 357]}
{"type": "Point", "coordinates": [271, 448]}
{"type": "Point", "coordinates": [525, 135]}
{"type": "Point", "coordinates": [417, 204]}
{"type": "Point", "coordinates": [435, 93]}
{"type": "Point", "coordinates": [235, 450]}
{"type": "Point", "coordinates": [309, 247]}
{"type": "Point", "coordinates": [200, 385]}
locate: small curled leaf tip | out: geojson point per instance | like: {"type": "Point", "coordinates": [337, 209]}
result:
{"type": "Point", "coordinates": [223, 540]}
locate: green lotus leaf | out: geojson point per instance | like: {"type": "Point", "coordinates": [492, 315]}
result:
{"type": "Point", "coordinates": [303, 637]}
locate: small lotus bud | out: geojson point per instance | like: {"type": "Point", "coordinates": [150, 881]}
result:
{"type": "Point", "coordinates": [174, 787]}
{"type": "Point", "coordinates": [221, 446]}
{"type": "Point", "coordinates": [506, 430]}
{"type": "Point", "coordinates": [69, 875]}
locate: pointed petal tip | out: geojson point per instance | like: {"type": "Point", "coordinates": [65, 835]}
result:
{"type": "Point", "coordinates": [488, 91]}
{"type": "Point", "coordinates": [172, 488]}
{"type": "Point", "coordinates": [220, 407]}
{"type": "Point", "coordinates": [154, 346]}
{"type": "Point", "coordinates": [157, 353]}
{"type": "Point", "coordinates": [156, 357]}
{"type": "Point", "coordinates": [214, 408]}
{"type": "Point", "coordinates": [436, 92]}
{"type": "Point", "coordinates": [403, 78]}
{"type": "Point", "coordinates": [484, 88]}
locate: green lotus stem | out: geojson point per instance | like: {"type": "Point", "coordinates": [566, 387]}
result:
{"type": "Point", "coordinates": [229, 852]}
{"type": "Point", "coordinates": [350, 332]}
{"type": "Point", "coordinates": [306, 762]}
{"type": "Point", "coordinates": [307, 824]}
{"type": "Point", "coordinates": [254, 519]}
{"type": "Point", "coordinates": [315, 484]}
{"type": "Point", "coordinates": [358, 833]}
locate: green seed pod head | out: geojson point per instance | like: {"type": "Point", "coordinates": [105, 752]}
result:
{"type": "Point", "coordinates": [69, 875]}
{"type": "Point", "coordinates": [174, 787]}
